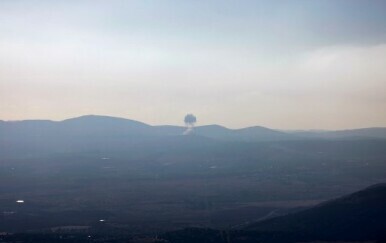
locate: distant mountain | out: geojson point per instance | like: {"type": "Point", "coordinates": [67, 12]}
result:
{"type": "Point", "coordinates": [105, 126]}
{"type": "Point", "coordinates": [92, 126]}
{"type": "Point", "coordinates": [82, 133]}
{"type": "Point", "coordinates": [82, 128]}
{"type": "Point", "coordinates": [104, 121]}
{"type": "Point", "coordinates": [250, 134]}
{"type": "Point", "coordinates": [217, 132]}
{"type": "Point", "coordinates": [97, 132]}
{"type": "Point", "coordinates": [246, 134]}
{"type": "Point", "coordinates": [262, 133]}
{"type": "Point", "coordinates": [362, 133]}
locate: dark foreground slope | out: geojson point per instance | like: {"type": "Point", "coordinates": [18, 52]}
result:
{"type": "Point", "coordinates": [360, 216]}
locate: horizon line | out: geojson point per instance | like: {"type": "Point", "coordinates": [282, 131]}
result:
{"type": "Point", "coordinates": [203, 125]}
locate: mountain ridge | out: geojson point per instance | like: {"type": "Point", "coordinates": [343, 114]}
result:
{"type": "Point", "coordinates": [101, 123]}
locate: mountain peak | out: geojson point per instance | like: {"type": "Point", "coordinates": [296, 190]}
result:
{"type": "Point", "coordinates": [102, 119]}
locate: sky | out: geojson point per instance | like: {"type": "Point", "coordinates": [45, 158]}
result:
{"type": "Point", "coordinates": [280, 64]}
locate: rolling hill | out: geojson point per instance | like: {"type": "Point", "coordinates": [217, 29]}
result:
{"type": "Point", "coordinates": [93, 126]}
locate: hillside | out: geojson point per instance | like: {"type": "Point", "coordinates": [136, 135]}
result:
{"type": "Point", "coordinates": [358, 217]}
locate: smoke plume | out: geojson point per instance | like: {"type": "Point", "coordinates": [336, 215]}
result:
{"type": "Point", "coordinates": [189, 120]}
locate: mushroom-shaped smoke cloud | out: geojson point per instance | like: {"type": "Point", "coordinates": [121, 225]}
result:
{"type": "Point", "coordinates": [189, 120]}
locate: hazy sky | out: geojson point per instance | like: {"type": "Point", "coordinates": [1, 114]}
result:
{"type": "Point", "coordinates": [281, 64]}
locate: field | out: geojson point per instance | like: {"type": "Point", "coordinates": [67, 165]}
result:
{"type": "Point", "coordinates": [167, 187]}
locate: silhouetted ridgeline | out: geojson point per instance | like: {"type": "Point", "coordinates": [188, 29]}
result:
{"type": "Point", "coordinates": [91, 127]}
